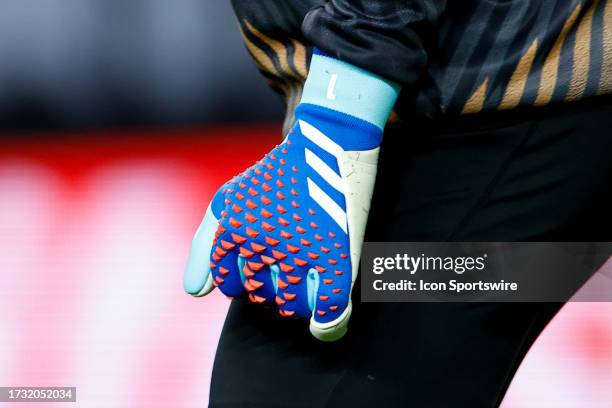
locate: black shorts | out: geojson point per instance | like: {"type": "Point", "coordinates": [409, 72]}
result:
{"type": "Point", "coordinates": [540, 175]}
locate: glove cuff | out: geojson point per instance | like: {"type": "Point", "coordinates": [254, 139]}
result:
{"type": "Point", "coordinates": [345, 88]}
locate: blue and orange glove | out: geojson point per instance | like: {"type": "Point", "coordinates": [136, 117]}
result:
{"type": "Point", "coordinates": [288, 231]}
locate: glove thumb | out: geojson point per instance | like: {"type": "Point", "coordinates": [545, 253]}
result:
{"type": "Point", "coordinates": [197, 280]}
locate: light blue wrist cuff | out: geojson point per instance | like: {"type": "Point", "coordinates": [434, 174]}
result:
{"type": "Point", "coordinates": [345, 88]}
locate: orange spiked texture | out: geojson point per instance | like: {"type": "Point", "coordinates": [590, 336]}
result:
{"type": "Point", "coordinates": [293, 279]}
{"type": "Point", "coordinates": [228, 246]}
{"type": "Point", "coordinates": [278, 255]}
{"type": "Point", "coordinates": [267, 227]}
{"type": "Point", "coordinates": [289, 296]}
{"type": "Point", "coordinates": [256, 299]}
{"type": "Point", "coordinates": [286, 313]}
{"type": "Point", "coordinates": [234, 222]}
{"type": "Point", "coordinates": [245, 252]}
{"type": "Point", "coordinates": [257, 247]}
{"type": "Point", "coordinates": [299, 262]}
{"type": "Point", "coordinates": [281, 284]}
{"type": "Point", "coordinates": [247, 272]}
{"type": "Point", "coordinates": [255, 266]}
{"type": "Point", "coordinates": [286, 268]}
{"type": "Point", "coordinates": [250, 218]}
{"type": "Point", "coordinates": [292, 249]}
{"type": "Point", "coordinates": [272, 241]}
{"type": "Point", "coordinates": [267, 260]}
{"type": "Point", "coordinates": [251, 232]}
{"type": "Point", "coordinates": [238, 239]}
{"type": "Point", "coordinates": [312, 255]}
{"type": "Point", "coordinates": [252, 285]}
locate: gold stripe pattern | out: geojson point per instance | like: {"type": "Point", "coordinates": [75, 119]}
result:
{"type": "Point", "coordinates": [516, 86]}
{"type": "Point", "coordinates": [548, 81]}
{"type": "Point", "coordinates": [276, 61]}
{"type": "Point", "coordinates": [263, 61]}
{"type": "Point", "coordinates": [582, 56]}
{"type": "Point", "coordinates": [605, 82]}
{"type": "Point", "coordinates": [265, 64]}
{"type": "Point", "coordinates": [284, 71]}
{"type": "Point", "coordinates": [299, 58]}
{"type": "Point", "coordinates": [279, 48]}
{"type": "Point", "coordinates": [476, 101]}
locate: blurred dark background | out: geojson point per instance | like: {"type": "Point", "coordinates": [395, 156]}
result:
{"type": "Point", "coordinates": [78, 64]}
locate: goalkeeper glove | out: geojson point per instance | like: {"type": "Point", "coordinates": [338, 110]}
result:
{"type": "Point", "coordinates": [288, 231]}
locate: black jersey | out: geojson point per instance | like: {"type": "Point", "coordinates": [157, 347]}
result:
{"type": "Point", "coordinates": [462, 56]}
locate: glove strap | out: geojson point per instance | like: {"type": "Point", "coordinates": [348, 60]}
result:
{"type": "Point", "coordinates": [345, 88]}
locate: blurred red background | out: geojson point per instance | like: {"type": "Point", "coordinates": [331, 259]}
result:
{"type": "Point", "coordinates": [94, 233]}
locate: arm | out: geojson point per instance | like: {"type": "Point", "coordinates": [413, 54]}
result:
{"type": "Point", "coordinates": [389, 38]}
{"type": "Point", "coordinates": [288, 231]}
{"type": "Point", "coordinates": [271, 31]}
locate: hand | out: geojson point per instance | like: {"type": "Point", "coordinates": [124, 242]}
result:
{"type": "Point", "coordinates": [288, 231]}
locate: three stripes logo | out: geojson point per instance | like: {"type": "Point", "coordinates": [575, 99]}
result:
{"type": "Point", "coordinates": [331, 177]}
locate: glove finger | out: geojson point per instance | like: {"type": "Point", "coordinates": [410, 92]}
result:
{"type": "Point", "coordinates": [292, 291]}
{"type": "Point", "coordinates": [333, 303]}
{"type": "Point", "coordinates": [333, 330]}
{"type": "Point", "coordinates": [259, 277]}
{"type": "Point", "coordinates": [197, 279]}
{"type": "Point", "coordinates": [224, 261]}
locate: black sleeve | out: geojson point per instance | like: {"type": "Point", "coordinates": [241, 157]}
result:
{"type": "Point", "coordinates": [277, 19]}
{"type": "Point", "coordinates": [387, 37]}
{"type": "Point", "coordinates": [271, 30]}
